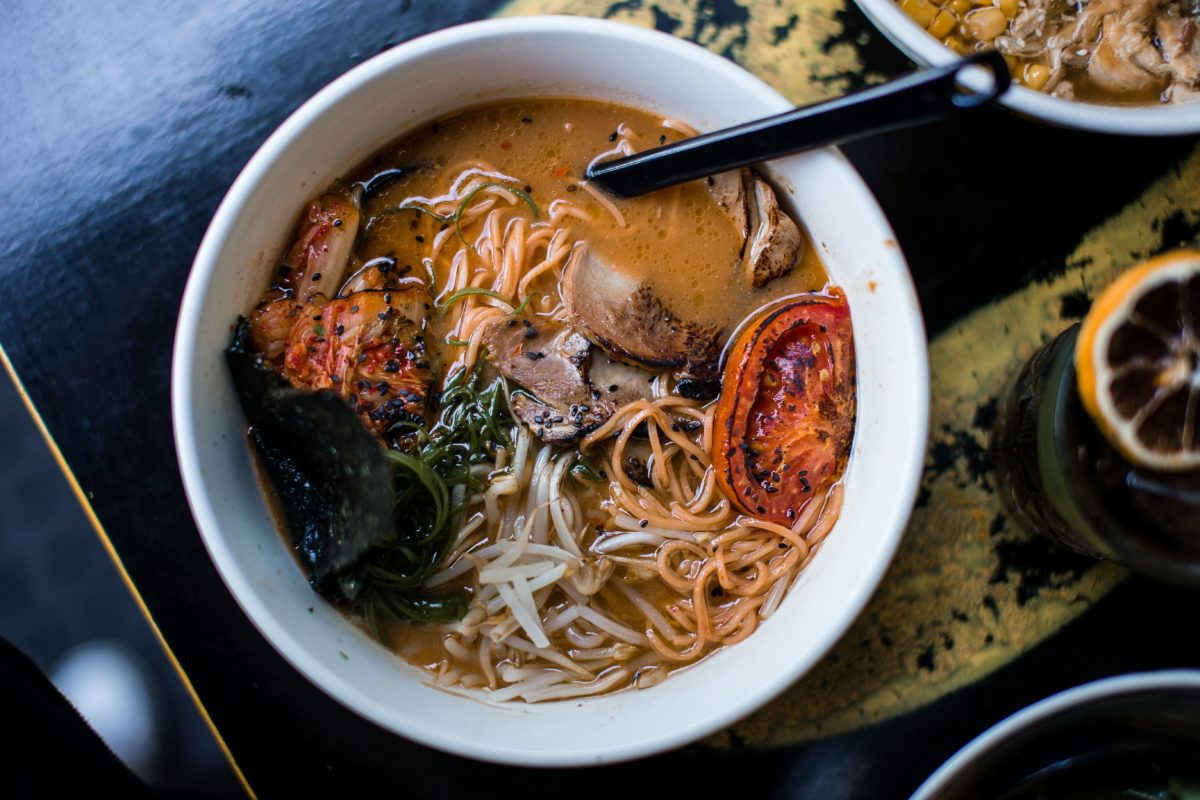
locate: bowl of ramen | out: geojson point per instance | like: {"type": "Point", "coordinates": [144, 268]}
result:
{"type": "Point", "coordinates": [1129, 736]}
{"type": "Point", "coordinates": [1113, 66]}
{"type": "Point", "coordinates": [526, 472]}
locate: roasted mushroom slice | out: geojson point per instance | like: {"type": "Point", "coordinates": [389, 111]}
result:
{"type": "Point", "coordinates": [615, 384]}
{"type": "Point", "coordinates": [771, 241]}
{"type": "Point", "coordinates": [729, 190]}
{"type": "Point", "coordinates": [549, 361]}
{"type": "Point", "coordinates": [556, 424]}
{"type": "Point", "coordinates": [626, 318]}
{"type": "Point", "coordinates": [568, 388]}
{"type": "Point", "coordinates": [775, 243]}
{"type": "Point", "coordinates": [544, 356]}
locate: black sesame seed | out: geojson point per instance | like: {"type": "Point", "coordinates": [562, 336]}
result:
{"type": "Point", "coordinates": [316, 276]}
{"type": "Point", "coordinates": [527, 120]}
{"type": "Point", "coordinates": [528, 189]}
{"type": "Point", "coordinates": [643, 523]}
{"type": "Point", "coordinates": [613, 136]}
{"type": "Point", "coordinates": [662, 139]}
{"type": "Point", "coordinates": [337, 223]}
{"type": "Point", "coordinates": [420, 239]}
{"type": "Point", "coordinates": [340, 329]}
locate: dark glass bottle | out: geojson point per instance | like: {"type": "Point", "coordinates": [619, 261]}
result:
{"type": "Point", "coordinates": [1058, 475]}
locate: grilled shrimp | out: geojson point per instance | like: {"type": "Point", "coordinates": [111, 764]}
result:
{"type": "Point", "coordinates": [369, 347]}
{"type": "Point", "coordinates": [317, 261]}
{"type": "Point", "coordinates": [366, 344]}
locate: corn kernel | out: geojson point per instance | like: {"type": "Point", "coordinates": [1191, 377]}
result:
{"type": "Point", "coordinates": [957, 45]}
{"type": "Point", "coordinates": [986, 24]}
{"type": "Point", "coordinates": [959, 7]}
{"type": "Point", "coordinates": [1035, 75]}
{"type": "Point", "coordinates": [922, 11]}
{"type": "Point", "coordinates": [942, 24]}
{"type": "Point", "coordinates": [1009, 7]}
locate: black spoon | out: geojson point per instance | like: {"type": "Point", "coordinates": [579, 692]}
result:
{"type": "Point", "coordinates": [914, 99]}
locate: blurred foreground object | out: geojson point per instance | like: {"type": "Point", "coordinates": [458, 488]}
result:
{"type": "Point", "coordinates": [114, 692]}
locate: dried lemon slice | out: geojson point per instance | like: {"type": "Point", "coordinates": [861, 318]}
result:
{"type": "Point", "coordinates": [1137, 361]}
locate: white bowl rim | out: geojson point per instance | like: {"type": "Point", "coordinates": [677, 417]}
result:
{"type": "Point", "coordinates": [1155, 120]}
{"type": "Point", "coordinates": [909, 327]}
{"type": "Point", "coordinates": [1051, 706]}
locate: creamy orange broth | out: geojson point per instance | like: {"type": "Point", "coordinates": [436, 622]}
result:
{"type": "Point", "coordinates": [679, 240]}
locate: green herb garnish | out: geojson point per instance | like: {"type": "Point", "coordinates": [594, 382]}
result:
{"type": "Point", "coordinates": [468, 292]}
{"type": "Point", "coordinates": [586, 469]}
{"type": "Point", "coordinates": [433, 483]}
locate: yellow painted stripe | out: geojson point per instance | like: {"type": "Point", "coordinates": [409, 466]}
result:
{"type": "Point", "coordinates": [116, 559]}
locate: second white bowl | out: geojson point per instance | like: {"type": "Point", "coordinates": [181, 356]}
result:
{"type": "Point", "coordinates": [1157, 120]}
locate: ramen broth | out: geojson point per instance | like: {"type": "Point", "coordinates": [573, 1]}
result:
{"type": "Point", "coordinates": [677, 239]}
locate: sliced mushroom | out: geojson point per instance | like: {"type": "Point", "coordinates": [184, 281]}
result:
{"type": "Point", "coordinates": [627, 319]}
{"type": "Point", "coordinates": [776, 244]}
{"type": "Point", "coordinates": [771, 239]}
{"type": "Point", "coordinates": [729, 190]}
{"type": "Point", "coordinates": [568, 388]}
{"type": "Point", "coordinates": [555, 424]}
{"type": "Point", "coordinates": [616, 384]}
{"type": "Point", "coordinates": [544, 356]}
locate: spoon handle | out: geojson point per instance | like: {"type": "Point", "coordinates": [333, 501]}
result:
{"type": "Point", "coordinates": [914, 99]}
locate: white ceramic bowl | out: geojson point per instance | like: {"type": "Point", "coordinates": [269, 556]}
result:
{"type": "Point", "coordinates": [412, 85]}
{"type": "Point", "coordinates": [1178, 689]}
{"type": "Point", "coordinates": [1159, 120]}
